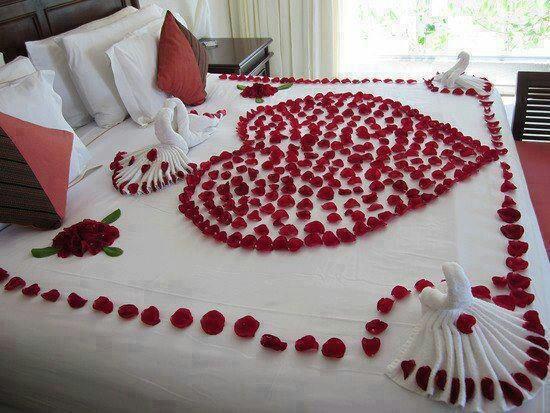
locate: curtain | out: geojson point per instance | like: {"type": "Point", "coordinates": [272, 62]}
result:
{"type": "Point", "coordinates": [201, 20]}
{"type": "Point", "coordinates": [305, 33]}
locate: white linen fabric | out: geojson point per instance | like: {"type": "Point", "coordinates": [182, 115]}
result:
{"type": "Point", "coordinates": [48, 54]}
{"type": "Point", "coordinates": [305, 33]}
{"type": "Point", "coordinates": [90, 69]}
{"type": "Point", "coordinates": [51, 355]}
{"type": "Point", "coordinates": [19, 67]}
{"type": "Point", "coordinates": [33, 99]}
{"type": "Point", "coordinates": [134, 65]}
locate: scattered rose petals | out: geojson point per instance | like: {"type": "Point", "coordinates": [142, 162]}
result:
{"type": "Point", "coordinates": [246, 326]}
{"type": "Point", "coordinates": [306, 343]}
{"type": "Point", "coordinates": [505, 301]}
{"type": "Point", "coordinates": [421, 284]}
{"type": "Point", "coordinates": [51, 296]}
{"type": "Point", "coordinates": [128, 311]}
{"type": "Point", "coordinates": [488, 388]}
{"type": "Point", "coordinates": [465, 322]}
{"type": "Point", "coordinates": [384, 305]}
{"type": "Point", "coordinates": [400, 292]}
{"type": "Point", "coordinates": [407, 366]}
{"type": "Point", "coordinates": [370, 346]}
{"type": "Point", "coordinates": [76, 301]}
{"type": "Point", "coordinates": [182, 318]}
{"type": "Point", "coordinates": [3, 274]}
{"type": "Point", "coordinates": [376, 326]}
{"type": "Point", "coordinates": [213, 322]}
{"type": "Point", "coordinates": [103, 304]}
{"type": "Point", "coordinates": [272, 342]}
{"type": "Point", "coordinates": [150, 316]}
{"type": "Point", "coordinates": [422, 377]}
{"type": "Point", "coordinates": [333, 348]}
{"type": "Point", "coordinates": [14, 283]}
{"type": "Point", "coordinates": [481, 292]}
{"type": "Point", "coordinates": [31, 290]}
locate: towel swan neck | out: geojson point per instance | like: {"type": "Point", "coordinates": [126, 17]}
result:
{"type": "Point", "coordinates": [459, 290]}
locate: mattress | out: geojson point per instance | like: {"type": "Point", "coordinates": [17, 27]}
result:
{"type": "Point", "coordinates": [55, 358]}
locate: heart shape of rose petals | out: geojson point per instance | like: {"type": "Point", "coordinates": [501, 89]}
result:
{"type": "Point", "coordinates": [324, 170]}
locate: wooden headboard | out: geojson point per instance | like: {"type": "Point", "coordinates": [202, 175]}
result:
{"type": "Point", "coordinates": [25, 20]}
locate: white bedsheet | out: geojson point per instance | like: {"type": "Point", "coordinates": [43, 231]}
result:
{"type": "Point", "coordinates": [56, 358]}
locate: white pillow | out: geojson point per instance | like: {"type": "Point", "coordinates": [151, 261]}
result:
{"type": "Point", "coordinates": [33, 99]}
{"type": "Point", "coordinates": [134, 66]}
{"type": "Point", "coordinates": [48, 54]}
{"type": "Point", "coordinates": [19, 67]}
{"type": "Point", "coordinates": [90, 69]}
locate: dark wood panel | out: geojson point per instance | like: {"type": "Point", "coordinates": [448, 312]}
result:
{"type": "Point", "coordinates": [532, 106]}
{"type": "Point", "coordinates": [25, 20]}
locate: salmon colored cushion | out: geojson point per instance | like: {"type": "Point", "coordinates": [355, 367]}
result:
{"type": "Point", "coordinates": [34, 171]}
{"type": "Point", "coordinates": [178, 71]}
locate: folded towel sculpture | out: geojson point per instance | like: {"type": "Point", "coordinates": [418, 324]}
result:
{"type": "Point", "coordinates": [472, 353]}
{"type": "Point", "coordinates": [455, 77]}
{"type": "Point", "coordinates": [155, 166]}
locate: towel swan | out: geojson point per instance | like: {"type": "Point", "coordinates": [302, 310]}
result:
{"type": "Point", "coordinates": [456, 77]}
{"type": "Point", "coordinates": [153, 167]}
{"type": "Point", "coordinates": [472, 353]}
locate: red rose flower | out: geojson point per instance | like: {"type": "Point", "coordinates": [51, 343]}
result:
{"type": "Point", "coordinates": [128, 311]}
{"type": "Point", "coordinates": [334, 348]}
{"type": "Point", "coordinates": [258, 90]}
{"type": "Point", "coordinates": [273, 342]}
{"type": "Point", "coordinates": [150, 316]}
{"type": "Point", "coordinates": [306, 343]}
{"type": "Point", "coordinates": [213, 322]}
{"type": "Point", "coordinates": [86, 236]}
{"type": "Point", "coordinates": [181, 318]}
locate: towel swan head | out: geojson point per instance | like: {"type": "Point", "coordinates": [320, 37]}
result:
{"type": "Point", "coordinates": [459, 290]}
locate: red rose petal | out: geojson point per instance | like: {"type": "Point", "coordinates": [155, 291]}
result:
{"type": "Point", "coordinates": [273, 342]}
{"type": "Point", "coordinates": [314, 227]}
{"type": "Point", "coordinates": [539, 341]}
{"type": "Point", "coordinates": [306, 343]}
{"type": "Point", "coordinates": [128, 311]}
{"type": "Point", "coordinates": [481, 292]}
{"type": "Point", "coordinates": [440, 379]}
{"type": "Point", "coordinates": [488, 388]}
{"type": "Point", "coordinates": [465, 322]}
{"type": "Point", "coordinates": [505, 301]}
{"type": "Point", "coordinates": [213, 322]}
{"type": "Point", "coordinates": [421, 284]}
{"type": "Point", "coordinates": [182, 318]}
{"type": "Point", "coordinates": [400, 292]}
{"type": "Point", "coordinates": [31, 290]}
{"type": "Point", "coordinates": [500, 282]}
{"type": "Point", "coordinates": [76, 301]}
{"type": "Point", "coordinates": [51, 296]}
{"type": "Point", "coordinates": [516, 263]}
{"type": "Point", "coordinates": [523, 381]}
{"type": "Point", "coordinates": [3, 274]}
{"type": "Point", "coordinates": [512, 231]}
{"type": "Point", "coordinates": [511, 393]}
{"type": "Point", "coordinates": [370, 346]}
{"type": "Point", "coordinates": [537, 368]}
{"type": "Point", "coordinates": [423, 376]}
{"type": "Point", "coordinates": [455, 390]}
{"type": "Point", "coordinates": [384, 305]}
{"type": "Point", "coordinates": [14, 283]}
{"type": "Point", "coordinates": [103, 304]}
{"type": "Point", "coordinates": [517, 248]}
{"type": "Point", "coordinates": [150, 316]}
{"type": "Point", "coordinates": [407, 366]}
{"type": "Point", "coordinates": [509, 215]}
{"type": "Point", "coordinates": [376, 326]}
{"type": "Point", "coordinates": [470, 388]}
{"type": "Point", "coordinates": [246, 326]}
{"type": "Point", "coordinates": [333, 348]}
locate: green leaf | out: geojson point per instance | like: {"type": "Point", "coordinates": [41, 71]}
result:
{"type": "Point", "coordinates": [259, 100]}
{"type": "Point", "coordinates": [112, 251]}
{"type": "Point", "coordinates": [112, 217]}
{"type": "Point", "coordinates": [44, 252]}
{"type": "Point", "coordinates": [284, 86]}
{"type": "Point", "coordinates": [241, 87]}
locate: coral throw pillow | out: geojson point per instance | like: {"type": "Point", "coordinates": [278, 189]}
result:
{"type": "Point", "coordinates": [181, 63]}
{"type": "Point", "coordinates": [34, 171]}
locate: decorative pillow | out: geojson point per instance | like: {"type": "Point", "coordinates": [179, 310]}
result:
{"type": "Point", "coordinates": [48, 54]}
{"type": "Point", "coordinates": [182, 63]}
{"type": "Point", "coordinates": [19, 67]}
{"type": "Point", "coordinates": [90, 67]}
{"type": "Point", "coordinates": [32, 99]}
{"type": "Point", "coordinates": [34, 170]}
{"type": "Point", "coordinates": [134, 66]}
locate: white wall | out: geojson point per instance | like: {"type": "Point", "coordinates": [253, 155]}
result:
{"type": "Point", "coordinates": [184, 7]}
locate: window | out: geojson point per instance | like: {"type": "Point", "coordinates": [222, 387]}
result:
{"type": "Point", "coordinates": [415, 38]}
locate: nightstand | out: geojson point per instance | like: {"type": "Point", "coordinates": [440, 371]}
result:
{"type": "Point", "coordinates": [248, 56]}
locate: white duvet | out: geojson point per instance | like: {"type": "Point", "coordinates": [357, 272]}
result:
{"type": "Point", "coordinates": [55, 358]}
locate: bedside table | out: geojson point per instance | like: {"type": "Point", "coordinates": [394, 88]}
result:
{"type": "Point", "coordinates": [248, 56]}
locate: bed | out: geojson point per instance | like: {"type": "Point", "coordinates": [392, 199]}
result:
{"type": "Point", "coordinates": [54, 358]}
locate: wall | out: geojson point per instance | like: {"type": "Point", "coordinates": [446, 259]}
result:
{"type": "Point", "coordinates": [184, 7]}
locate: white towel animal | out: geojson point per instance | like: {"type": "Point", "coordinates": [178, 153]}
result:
{"type": "Point", "coordinates": [156, 166]}
{"type": "Point", "coordinates": [456, 77]}
{"type": "Point", "coordinates": [472, 353]}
